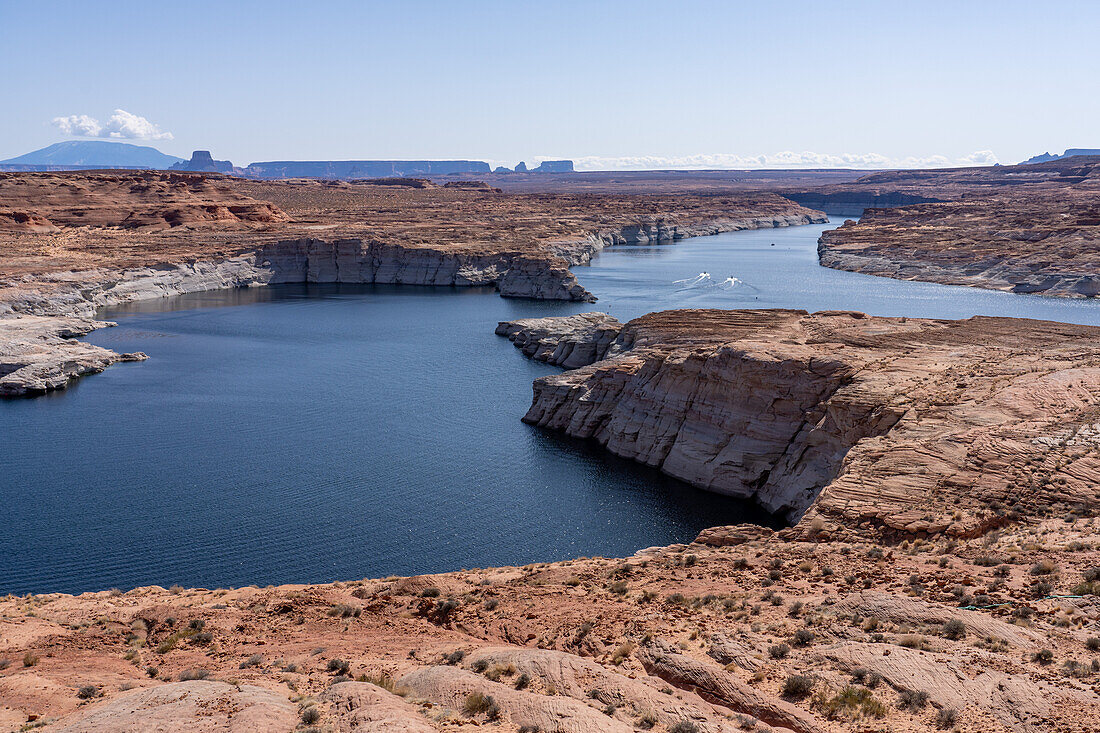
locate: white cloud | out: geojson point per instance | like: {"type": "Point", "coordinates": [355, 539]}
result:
{"type": "Point", "coordinates": [122, 125]}
{"type": "Point", "coordinates": [784, 159]}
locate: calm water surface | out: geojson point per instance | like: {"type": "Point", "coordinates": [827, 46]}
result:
{"type": "Point", "coordinates": [313, 433]}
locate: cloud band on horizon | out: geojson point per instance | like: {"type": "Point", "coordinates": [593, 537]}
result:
{"type": "Point", "coordinates": [122, 125]}
{"type": "Point", "coordinates": [784, 159]}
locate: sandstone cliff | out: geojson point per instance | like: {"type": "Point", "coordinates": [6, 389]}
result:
{"type": "Point", "coordinates": [74, 244]}
{"type": "Point", "coordinates": [1022, 229]}
{"type": "Point", "coordinates": [889, 425]}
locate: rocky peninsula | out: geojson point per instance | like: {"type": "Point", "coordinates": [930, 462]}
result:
{"type": "Point", "coordinates": [77, 242]}
{"type": "Point", "coordinates": [1022, 229]}
{"type": "Point", "coordinates": [886, 427]}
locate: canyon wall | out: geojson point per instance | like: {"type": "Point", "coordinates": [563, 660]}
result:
{"type": "Point", "coordinates": [836, 419]}
{"type": "Point", "coordinates": [1019, 245]}
{"type": "Point", "coordinates": [854, 203]}
{"type": "Point", "coordinates": [515, 273]}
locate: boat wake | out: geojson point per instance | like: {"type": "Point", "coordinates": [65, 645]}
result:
{"type": "Point", "coordinates": [704, 281]}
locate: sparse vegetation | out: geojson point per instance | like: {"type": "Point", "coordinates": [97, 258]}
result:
{"type": "Point", "coordinates": [954, 629]}
{"type": "Point", "coordinates": [853, 702]}
{"type": "Point", "coordinates": [946, 718]}
{"type": "Point", "coordinates": [912, 700]}
{"type": "Point", "coordinates": [798, 686]}
{"type": "Point", "coordinates": [480, 704]}
{"type": "Point", "coordinates": [683, 726]}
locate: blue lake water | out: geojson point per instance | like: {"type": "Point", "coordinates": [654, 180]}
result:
{"type": "Point", "coordinates": [313, 433]}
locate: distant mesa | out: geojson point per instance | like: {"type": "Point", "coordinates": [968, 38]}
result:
{"type": "Point", "coordinates": [1070, 153]}
{"type": "Point", "coordinates": [90, 154]}
{"type": "Point", "coordinates": [502, 169]}
{"type": "Point", "coordinates": [201, 161]}
{"type": "Point", "coordinates": [555, 166]}
{"type": "Point", "coordinates": [352, 169]}
{"type": "Point", "coordinates": [547, 166]}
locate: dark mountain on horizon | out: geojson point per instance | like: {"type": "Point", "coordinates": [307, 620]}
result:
{"type": "Point", "coordinates": [1070, 153]}
{"type": "Point", "coordinates": [92, 154]}
{"type": "Point", "coordinates": [202, 161]}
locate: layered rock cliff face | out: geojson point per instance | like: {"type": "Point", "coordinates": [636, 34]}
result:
{"type": "Point", "coordinates": [1044, 244]}
{"type": "Point", "coordinates": [200, 233]}
{"type": "Point", "coordinates": [891, 425]}
{"type": "Point", "coordinates": [854, 203]}
{"type": "Point", "coordinates": [1022, 229]}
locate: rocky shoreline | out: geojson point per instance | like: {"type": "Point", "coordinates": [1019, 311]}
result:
{"type": "Point", "coordinates": [1028, 229]}
{"type": "Point", "coordinates": [992, 273]}
{"type": "Point", "coordinates": [28, 337]}
{"type": "Point", "coordinates": [845, 423]}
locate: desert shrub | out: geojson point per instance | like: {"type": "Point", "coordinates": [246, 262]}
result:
{"type": "Point", "coordinates": [523, 681]}
{"type": "Point", "coordinates": [624, 651]}
{"type": "Point", "coordinates": [912, 700]}
{"type": "Point", "coordinates": [866, 677]}
{"type": "Point", "coordinates": [954, 629]}
{"type": "Point", "coordinates": [87, 692]}
{"type": "Point", "coordinates": [384, 681]}
{"type": "Point", "coordinates": [338, 666]}
{"type": "Point", "coordinates": [798, 686]}
{"type": "Point", "coordinates": [479, 704]}
{"type": "Point", "coordinates": [946, 718]}
{"type": "Point", "coordinates": [647, 720]}
{"type": "Point", "coordinates": [1043, 656]}
{"type": "Point", "coordinates": [194, 674]}
{"type": "Point", "coordinates": [619, 587]}
{"type": "Point", "coordinates": [500, 670]}
{"type": "Point", "coordinates": [311, 715]}
{"type": "Point", "coordinates": [1092, 644]}
{"type": "Point", "coordinates": [803, 637]}
{"type": "Point", "coordinates": [430, 592]}
{"type": "Point", "coordinates": [854, 701]}
{"type": "Point", "coordinates": [912, 641]}
{"type": "Point", "coordinates": [683, 726]}
{"type": "Point", "coordinates": [1045, 567]}
{"type": "Point", "coordinates": [254, 661]}
{"type": "Point", "coordinates": [779, 651]}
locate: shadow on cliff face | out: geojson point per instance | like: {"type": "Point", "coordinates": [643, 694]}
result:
{"type": "Point", "coordinates": [674, 502]}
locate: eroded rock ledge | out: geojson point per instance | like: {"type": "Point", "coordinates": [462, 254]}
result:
{"type": "Point", "coordinates": [848, 423]}
{"type": "Point", "coordinates": [1021, 229]}
{"type": "Point", "coordinates": [702, 636]}
{"type": "Point", "coordinates": [137, 216]}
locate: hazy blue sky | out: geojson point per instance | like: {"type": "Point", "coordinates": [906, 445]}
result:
{"type": "Point", "coordinates": [608, 83]}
